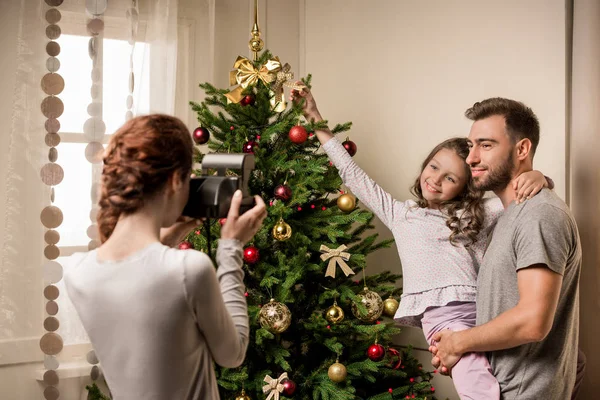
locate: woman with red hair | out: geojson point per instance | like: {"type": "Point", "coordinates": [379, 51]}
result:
{"type": "Point", "coordinates": [157, 316]}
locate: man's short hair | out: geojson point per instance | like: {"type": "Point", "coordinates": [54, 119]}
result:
{"type": "Point", "coordinates": [521, 121]}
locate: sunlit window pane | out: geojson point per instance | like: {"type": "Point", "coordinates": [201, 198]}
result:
{"type": "Point", "coordinates": [117, 55]}
{"type": "Point", "coordinates": [73, 194]}
{"type": "Point", "coordinates": [76, 68]}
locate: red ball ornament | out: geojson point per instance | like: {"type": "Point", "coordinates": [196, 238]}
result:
{"type": "Point", "coordinates": [248, 100]}
{"type": "Point", "coordinates": [222, 221]}
{"type": "Point", "coordinates": [350, 147]}
{"type": "Point", "coordinates": [201, 135]}
{"type": "Point", "coordinates": [376, 352]}
{"type": "Point", "coordinates": [283, 192]}
{"type": "Point", "coordinates": [249, 146]}
{"type": "Point", "coordinates": [289, 387]}
{"type": "Point", "coordinates": [251, 255]}
{"type": "Point", "coordinates": [298, 134]}
{"type": "Point", "coordinates": [185, 245]}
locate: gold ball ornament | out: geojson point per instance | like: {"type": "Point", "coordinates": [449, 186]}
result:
{"type": "Point", "coordinates": [243, 396]}
{"type": "Point", "coordinates": [334, 314]}
{"type": "Point", "coordinates": [256, 44]}
{"type": "Point", "coordinates": [346, 202]}
{"type": "Point", "coordinates": [337, 372]}
{"type": "Point", "coordinates": [390, 306]}
{"type": "Point", "coordinates": [275, 317]}
{"type": "Point", "coordinates": [282, 231]}
{"type": "Point", "coordinates": [372, 301]}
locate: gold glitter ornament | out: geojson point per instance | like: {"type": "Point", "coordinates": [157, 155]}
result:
{"type": "Point", "coordinates": [372, 301]}
{"type": "Point", "coordinates": [275, 317]}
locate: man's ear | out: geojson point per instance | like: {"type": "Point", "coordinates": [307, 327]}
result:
{"type": "Point", "coordinates": [523, 147]}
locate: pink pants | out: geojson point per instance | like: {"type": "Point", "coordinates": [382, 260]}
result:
{"type": "Point", "coordinates": [472, 375]}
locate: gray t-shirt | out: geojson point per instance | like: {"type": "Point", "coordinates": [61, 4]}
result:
{"type": "Point", "coordinates": [159, 318]}
{"type": "Point", "coordinates": [539, 231]}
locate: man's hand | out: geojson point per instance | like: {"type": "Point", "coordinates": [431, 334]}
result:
{"type": "Point", "coordinates": [444, 351]}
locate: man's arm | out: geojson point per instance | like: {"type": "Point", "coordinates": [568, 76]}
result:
{"type": "Point", "coordinates": [529, 321]}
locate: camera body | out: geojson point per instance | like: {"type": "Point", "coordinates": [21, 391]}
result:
{"type": "Point", "coordinates": [210, 195]}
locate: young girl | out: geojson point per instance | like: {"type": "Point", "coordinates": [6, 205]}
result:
{"type": "Point", "coordinates": [158, 317]}
{"type": "Point", "coordinates": [441, 239]}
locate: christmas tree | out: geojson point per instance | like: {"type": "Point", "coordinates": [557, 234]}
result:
{"type": "Point", "coordinates": [320, 328]}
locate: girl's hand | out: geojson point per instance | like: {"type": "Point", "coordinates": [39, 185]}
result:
{"type": "Point", "coordinates": [175, 233]}
{"type": "Point", "coordinates": [310, 105]}
{"type": "Point", "coordinates": [528, 184]}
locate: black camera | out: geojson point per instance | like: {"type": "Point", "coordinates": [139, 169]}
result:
{"type": "Point", "coordinates": [210, 195]}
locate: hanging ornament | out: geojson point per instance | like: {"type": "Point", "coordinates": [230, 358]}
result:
{"type": "Point", "coordinates": [274, 386]}
{"type": "Point", "coordinates": [282, 231]}
{"type": "Point", "coordinates": [298, 134]}
{"type": "Point", "coordinates": [275, 317]}
{"type": "Point", "coordinates": [248, 100]}
{"type": "Point", "coordinates": [249, 146]}
{"type": "Point", "coordinates": [350, 147]}
{"type": "Point", "coordinates": [251, 255]}
{"type": "Point", "coordinates": [334, 314]}
{"type": "Point", "coordinates": [243, 396]}
{"type": "Point", "coordinates": [395, 364]}
{"type": "Point", "coordinates": [346, 202]}
{"type": "Point", "coordinates": [222, 221]}
{"type": "Point", "coordinates": [390, 306]}
{"type": "Point", "coordinates": [185, 245]}
{"type": "Point", "coordinates": [372, 301]}
{"type": "Point", "coordinates": [289, 387]}
{"type": "Point", "coordinates": [337, 372]}
{"type": "Point", "coordinates": [283, 192]}
{"type": "Point", "coordinates": [376, 352]}
{"type": "Point", "coordinates": [337, 256]}
{"type": "Point", "coordinates": [201, 135]}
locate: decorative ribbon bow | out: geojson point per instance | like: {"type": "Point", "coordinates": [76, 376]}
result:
{"type": "Point", "coordinates": [274, 386]}
{"type": "Point", "coordinates": [283, 78]}
{"type": "Point", "coordinates": [245, 74]}
{"type": "Point", "coordinates": [337, 256]}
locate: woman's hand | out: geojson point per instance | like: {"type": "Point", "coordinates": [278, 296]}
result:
{"type": "Point", "coordinates": [175, 233]}
{"type": "Point", "coordinates": [244, 227]}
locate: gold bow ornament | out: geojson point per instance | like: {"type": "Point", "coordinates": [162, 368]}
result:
{"type": "Point", "coordinates": [245, 74]}
{"type": "Point", "coordinates": [274, 386]}
{"type": "Point", "coordinates": [283, 78]}
{"type": "Point", "coordinates": [336, 256]}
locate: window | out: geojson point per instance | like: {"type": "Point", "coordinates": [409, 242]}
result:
{"type": "Point", "coordinates": [74, 194]}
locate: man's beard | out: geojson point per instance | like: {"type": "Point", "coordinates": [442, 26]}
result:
{"type": "Point", "coordinates": [497, 178]}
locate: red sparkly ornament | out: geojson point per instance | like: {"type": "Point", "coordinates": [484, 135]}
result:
{"type": "Point", "coordinates": [249, 146]}
{"type": "Point", "coordinates": [289, 387]}
{"type": "Point", "coordinates": [390, 390]}
{"type": "Point", "coordinates": [251, 255]}
{"type": "Point", "coordinates": [231, 128]}
{"type": "Point", "coordinates": [222, 221]}
{"type": "Point", "coordinates": [248, 100]}
{"type": "Point", "coordinates": [350, 147]}
{"type": "Point", "coordinates": [412, 380]}
{"type": "Point", "coordinates": [395, 364]}
{"type": "Point", "coordinates": [201, 135]}
{"type": "Point", "coordinates": [298, 134]}
{"type": "Point", "coordinates": [185, 245]}
{"type": "Point", "coordinates": [283, 192]}
{"type": "Point", "coordinates": [197, 232]}
{"type": "Point", "coordinates": [376, 352]}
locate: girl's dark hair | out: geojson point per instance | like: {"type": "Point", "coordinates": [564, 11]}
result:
{"type": "Point", "coordinates": [465, 211]}
{"type": "Point", "coordinates": [139, 160]}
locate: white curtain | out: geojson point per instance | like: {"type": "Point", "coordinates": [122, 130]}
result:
{"type": "Point", "coordinates": [23, 152]}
